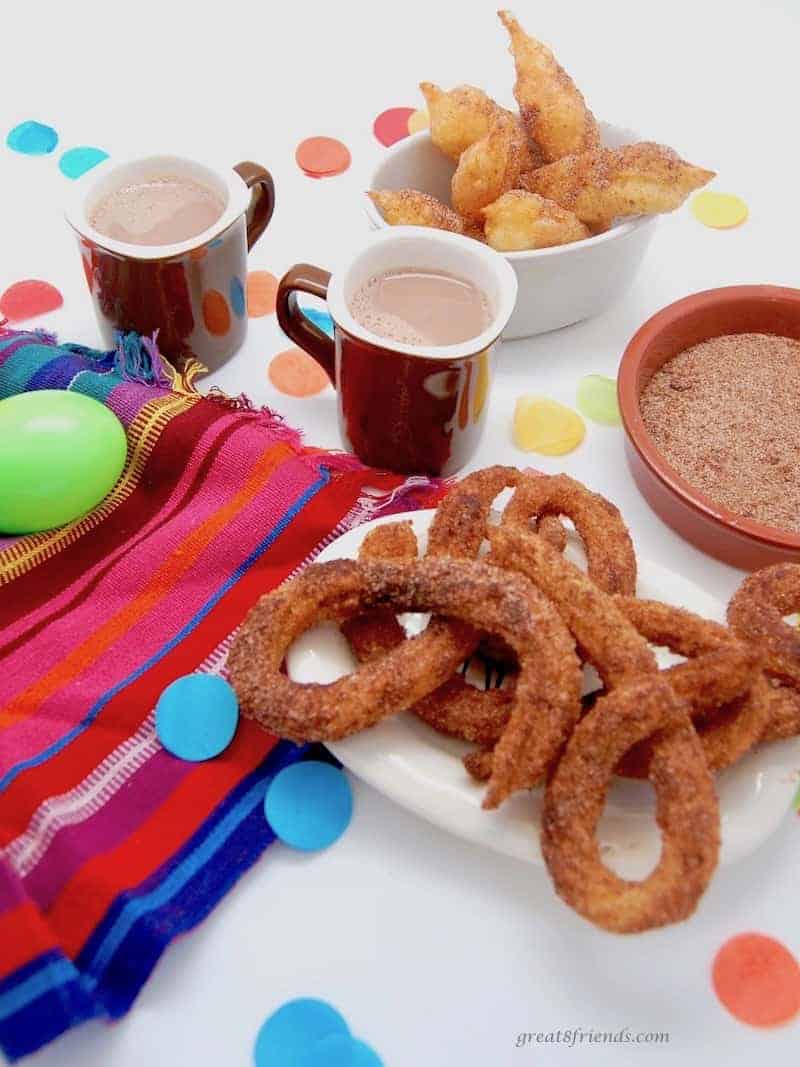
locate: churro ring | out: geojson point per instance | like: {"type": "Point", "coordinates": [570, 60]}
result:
{"type": "Point", "coordinates": [376, 632]}
{"type": "Point", "coordinates": [610, 557]}
{"type": "Point", "coordinates": [686, 811]}
{"type": "Point", "coordinates": [783, 721]}
{"type": "Point", "coordinates": [605, 637]}
{"type": "Point", "coordinates": [460, 524]}
{"type": "Point", "coordinates": [721, 682]}
{"type": "Point", "coordinates": [546, 696]}
{"type": "Point", "coordinates": [456, 708]}
{"type": "Point", "coordinates": [756, 613]}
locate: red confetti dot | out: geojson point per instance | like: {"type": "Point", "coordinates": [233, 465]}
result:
{"type": "Point", "coordinates": [392, 125]}
{"type": "Point", "coordinates": [322, 157]}
{"type": "Point", "coordinates": [757, 979]}
{"type": "Point", "coordinates": [216, 314]}
{"type": "Point", "coordinates": [29, 298]}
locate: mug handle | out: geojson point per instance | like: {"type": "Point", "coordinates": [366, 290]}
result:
{"type": "Point", "coordinates": [305, 278]}
{"type": "Point", "coordinates": [262, 198]}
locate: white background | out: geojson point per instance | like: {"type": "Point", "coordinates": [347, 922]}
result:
{"type": "Point", "coordinates": [436, 952]}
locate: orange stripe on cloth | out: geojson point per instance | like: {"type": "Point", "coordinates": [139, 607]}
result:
{"type": "Point", "coordinates": [26, 703]}
{"type": "Point", "coordinates": [86, 898]}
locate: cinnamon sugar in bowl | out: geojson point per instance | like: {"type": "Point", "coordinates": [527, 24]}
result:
{"type": "Point", "coordinates": [709, 391]}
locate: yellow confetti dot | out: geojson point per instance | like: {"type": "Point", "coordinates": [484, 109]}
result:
{"type": "Point", "coordinates": [719, 210]}
{"type": "Point", "coordinates": [481, 386]}
{"type": "Point", "coordinates": [547, 427]}
{"type": "Point", "coordinates": [420, 120]}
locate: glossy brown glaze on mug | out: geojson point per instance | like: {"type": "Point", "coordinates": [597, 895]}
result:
{"type": "Point", "coordinates": [398, 411]}
{"type": "Point", "coordinates": [409, 413]}
{"type": "Point", "coordinates": [712, 528]}
{"type": "Point", "coordinates": [171, 295]}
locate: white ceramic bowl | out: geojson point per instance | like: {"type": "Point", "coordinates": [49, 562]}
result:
{"type": "Point", "coordinates": [557, 286]}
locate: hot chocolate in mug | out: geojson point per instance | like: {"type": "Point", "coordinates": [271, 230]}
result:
{"type": "Point", "coordinates": [417, 409]}
{"type": "Point", "coordinates": [193, 291]}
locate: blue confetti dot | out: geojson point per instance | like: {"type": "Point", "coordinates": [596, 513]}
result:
{"type": "Point", "coordinates": [196, 716]}
{"type": "Point", "coordinates": [293, 1029]}
{"type": "Point", "coordinates": [339, 1050]}
{"type": "Point", "coordinates": [215, 243]}
{"type": "Point", "coordinates": [76, 161]}
{"type": "Point", "coordinates": [319, 318]}
{"type": "Point", "coordinates": [309, 805]}
{"type": "Point", "coordinates": [32, 138]}
{"type": "Point", "coordinates": [237, 297]}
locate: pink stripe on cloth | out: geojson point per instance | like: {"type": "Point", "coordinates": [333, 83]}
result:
{"type": "Point", "coordinates": [12, 891]}
{"type": "Point", "coordinates": [209, 570]}
{"type": "Point", "coordinates": [116, 820]}
{"type": "Point", "coordinates": [128, 398]}
{"type": "Point", "coordinates": [56, 603]}
{"type": "Point", "coordinates": [227, 473]}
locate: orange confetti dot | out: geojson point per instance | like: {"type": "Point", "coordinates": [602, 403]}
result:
{"type": "Point", "coordinates": [757, 979]}
{"type": "Point", "coordinates": [262, 288]}
{"type": "Point", "coordinates": [295, 373]}
{"type": "Point", "coordinates": [216, 313]}
{"type": "Point", "coordinates": [196, 254]}
{"type": "Point", "coordinates": [322, 157]}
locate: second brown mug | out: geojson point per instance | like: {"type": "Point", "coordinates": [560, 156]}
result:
{"type": "Point", "coordinates": [414, 409]}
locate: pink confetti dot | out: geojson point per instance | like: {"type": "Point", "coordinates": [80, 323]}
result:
{"type": "Point", "coordinates": [392, 125]}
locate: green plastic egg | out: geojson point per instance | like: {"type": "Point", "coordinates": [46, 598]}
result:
{"type": "Point", "coordinates": [60, 454]}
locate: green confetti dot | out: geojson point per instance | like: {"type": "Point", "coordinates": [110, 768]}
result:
{"type": "Point", "coordinates": [597, 399]}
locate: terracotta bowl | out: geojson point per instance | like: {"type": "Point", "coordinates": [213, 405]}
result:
{"type": "Point", "coordinates": [738, 309]}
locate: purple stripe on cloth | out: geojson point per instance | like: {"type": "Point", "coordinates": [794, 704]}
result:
{"type": "Point", "coordinates": [58, 374]}
{"type": "Point", "coordinates": [119, 817]}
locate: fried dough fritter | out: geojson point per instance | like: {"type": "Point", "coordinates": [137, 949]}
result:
{"type": "Point", "coordinates": [458, 117]}
{"type": "Point", "coordinates": [520, 220]}
{"type": "Point", "coordinates": [408, 207]}
{"type": "Point", "coordinates": [552, 107]}
{"type": "Point", "coordinates": [490, 167]}
{"type": "Point", "coordinates": [607, 183]}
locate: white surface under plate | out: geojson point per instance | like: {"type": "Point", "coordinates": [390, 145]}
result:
{"type": "Point", "coordinates": [421, 769]}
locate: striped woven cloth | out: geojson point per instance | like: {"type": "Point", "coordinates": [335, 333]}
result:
{"type": "Point", "coordinates": [109, 846]}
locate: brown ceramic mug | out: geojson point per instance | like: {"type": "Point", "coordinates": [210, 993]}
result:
{"type": "Point", "coordinates": [415, 409]}
{"type": "Point", "coordinates": [191, 292]}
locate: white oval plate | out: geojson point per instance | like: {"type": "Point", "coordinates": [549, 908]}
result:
{"type": "Point", "coordinates": [420, 769]}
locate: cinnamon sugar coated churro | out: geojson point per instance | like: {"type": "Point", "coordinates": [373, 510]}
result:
{"type": "Point", "coordinates": [501, 581]}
